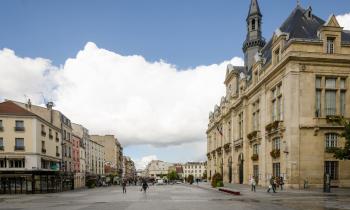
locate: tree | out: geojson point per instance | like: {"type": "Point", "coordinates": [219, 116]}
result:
{"type": "Point", "coordinates": [344, 153]}
{"type": "Point", "coordinates": [190, 179]}
{"type": "Point", "coordinates": [173, 176]}
{"type": "Point", "coordinates": [217, 180]}
{"type": "Point", "coordinates": [204, 175]}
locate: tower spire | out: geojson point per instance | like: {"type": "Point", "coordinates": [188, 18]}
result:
{"type": "Point", "coordinates": [254, 8]}
{"type": "Point", "coordinates": [254, 41]}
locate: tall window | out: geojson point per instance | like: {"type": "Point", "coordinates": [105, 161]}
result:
{"type": "Point", "coordinates": [277, 104]}
{"type": "Point", "coordinates": [17, 163]}
{"type": "Point", "coordinates": [342, 96]}
{"type": "Point", "coordinates": [255, 149]}
{"type": "Point", "coordinates": [331, 93]}
{"type": "Point", "coordinates": [318, 97]}
{"type": "Point", "coordinates": [3, 163]}
{"type": "Point", "coordinates": [276, 169]}
{"type": "Point", "coordinates": [277, 55]}
{"type": "Point", "coordinates": [229, 131]}
{"type": "Point", "coordinates": [256, 116]}
{"type": "Point", "coordinates": [1, 143]}
{"type": "Point", "coordinates": [330, 45]}
{"type": "Point", "coordinates": [276, 143]}
{"type": "Point", "coordinates": [240, 125]}
{"type": "Point", "coordinates": [331, 168]}
{"type": "Point", "coordinates": [332, 88]}
{"type": "Point", "coordinates": [331, 140]}
{"type": "Point", "coordinates": [253, 25]}
{"type": "Point", "coordinates": [256, 171]}
{"type": "Point", "coordinates": [1, 125]}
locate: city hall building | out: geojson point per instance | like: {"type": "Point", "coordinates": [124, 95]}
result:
{"type": "Point", "coordinates": [281, 112]}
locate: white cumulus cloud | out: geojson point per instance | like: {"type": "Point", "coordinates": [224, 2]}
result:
{"type": "Point", "coordinates": [143, 162]}
{"type": "Point", "coordinates": [25, 77]}
{"type": "Point", "coordinates": [139, 101]}
{"type": "Point", "coordinates": [344, 21]}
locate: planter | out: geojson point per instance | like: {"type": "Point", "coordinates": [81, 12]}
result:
{"type": "Point", "coordinates": [332, 149]}
{"type": "Point", "coordinates": [336, 119]}
{"type": "Point", "coordinates": [255, 157]}
{"type": "Point", "coordinates": [276, 153]}
{"type": "Point", "coordinates": [252, 135]}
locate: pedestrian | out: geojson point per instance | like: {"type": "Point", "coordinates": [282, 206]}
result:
{"type": "Point", "coordinates": [253, 184]}
{"type": "Point", "coordinates": [281, 182]}
{"type": "Point", "coordinates": [144, 186]}
{"type": "Point", "coordinates": [124, 186]}
{"type": "Point", "coordinates": [272, 185]}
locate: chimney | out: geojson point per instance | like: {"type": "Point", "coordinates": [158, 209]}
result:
{"type": "Point", "coordinates": [29, 104]}
{"type": "Point", "coordinates": [49, 105]}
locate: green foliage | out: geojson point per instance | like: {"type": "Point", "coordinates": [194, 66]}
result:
{"type": "Point", "coordinates": [173, 176]}
{"type": "Point", "coordinates": [275, 153]}
{"type": "Point", "coordinates": [204, 175]}
{"type": "Point", "coordinates": [344, 153]}
{"type": "Point", "coordinates": [219, 184]}
{"type": "Point", "coordinates": [190, 179]}
{"type": "Point", "coordinates": [91, 183]}
{"type": "Point", "coordinates": [215, 179]}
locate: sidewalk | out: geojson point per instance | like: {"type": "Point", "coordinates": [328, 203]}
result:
{"type": "Point", "coordinates": [245, 190]}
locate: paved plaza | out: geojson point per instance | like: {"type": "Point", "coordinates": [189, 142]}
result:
{"type": "Point", "coordinates": [174, 197]}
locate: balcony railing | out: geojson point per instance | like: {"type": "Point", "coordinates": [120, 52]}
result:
{"type": "Point", "coordinates": [2, 148]}
{"type": "Point", "coordinates": [57, 139]}
{"type": "Point", "coordinates": [43, 133]}
{"type": "Point", "coordinates": [50, 136]}
{"type": "Point", "coordinates": [57, 154]}
{"type": "Point", "coordinates": [19, 129]}
{"type": "Point", "coordinates": [43, 150]}
{"type": "Point", "coordinates": [1, 128]}
{"type": "Point", "coordinates": [19, 148]}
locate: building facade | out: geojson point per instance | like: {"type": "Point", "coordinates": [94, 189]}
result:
{"type": "Point", "coordinates": [157, 169]}
{"type": "Point", "coordinates": [113, 152]}
{"type": "Point", "coordinates": [129, 170]}
{"type": "Point", "coordinates": [196, 169]}
{"type": "Point", "coordinates": [29, 151]}
{"type": "Point", "coordinates": [280, 115]}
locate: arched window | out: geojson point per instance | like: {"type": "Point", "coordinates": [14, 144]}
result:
{"type": "Point", "coordinates": [253, 24]}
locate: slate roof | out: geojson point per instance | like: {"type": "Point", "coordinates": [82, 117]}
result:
{"type": "Point", "coordinates": [297, 25]}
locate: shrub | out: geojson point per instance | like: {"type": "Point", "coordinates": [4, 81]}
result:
{"type": "Point", "coordinates": [91, 183]}
{"type": "Point", "coordinates": [275, 153]}
{"type": "Point", "coordinates": [215, 179]}
{"type": "Point", "coordinates": [219, 184]}
{"type": "Point", "coordinates": [190, 179]}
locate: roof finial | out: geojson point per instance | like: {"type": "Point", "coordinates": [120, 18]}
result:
{"type": "Point", "coordinates": [298, 3]}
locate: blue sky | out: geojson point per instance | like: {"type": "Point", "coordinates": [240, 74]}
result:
{"type": "Point", "coordinates": [185, 33]}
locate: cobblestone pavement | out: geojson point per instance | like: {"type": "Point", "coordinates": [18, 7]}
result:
{"type": "Point", "coordinates": [172, 197]}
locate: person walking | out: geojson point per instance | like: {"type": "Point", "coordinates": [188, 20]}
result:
{"type": "Point", "coordinates": [144, 186]}
{"type": "Point", "coordinates": [253, 184]}
{"type": "Point", "coordinates": [281, 182]}
{"type": "Point", "coordinates": [124, 186]}
{"type": "Point", "coordinates": [272, 185]}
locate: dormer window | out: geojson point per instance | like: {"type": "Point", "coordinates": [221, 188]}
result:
{"type": "Point", "coordinates": [277, 55]}
{"type": "Point", "coordinates": [330, 45]}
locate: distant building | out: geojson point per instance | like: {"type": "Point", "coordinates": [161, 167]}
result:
{"type": "Point", "coordinates": [129, 170]}
{"type": "Point", "coordinates": [197, 169]}
{"type": "Point", "coordinates": [113, 152]}
{"type": "Point", "coordinates": [177, 167]}
{"type": "Point", "coordinates": [157, 169]}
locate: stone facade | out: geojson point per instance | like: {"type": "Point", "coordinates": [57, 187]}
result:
{"type": "Point", "coordinates": [113, 152]}
{"type": "Point", "coordinates": [196, 169]}
{"type": "Point", "coordinates": [281, 116]}
{"type": "Point", "coordinates": [157, 169]}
